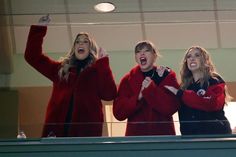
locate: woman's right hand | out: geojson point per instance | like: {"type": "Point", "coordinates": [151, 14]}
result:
{"type": "Point", "coordinates": [44, 20]}
{"type": "Point", "coordinates": [145, 84]}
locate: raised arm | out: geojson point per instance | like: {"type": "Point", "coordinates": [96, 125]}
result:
{"type": "Point", "coordinates": [34, 52]}
{"type": "Point", "coordinates": [106, 83]}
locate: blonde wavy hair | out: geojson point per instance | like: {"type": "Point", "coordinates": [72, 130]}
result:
{"type": "Point", "coordinates": [206, 67]}
{"type": "Point", "coordinates": [70, 59]}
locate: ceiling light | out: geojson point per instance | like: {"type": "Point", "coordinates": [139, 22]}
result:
{"type": "Point", "coordinates": [104, 7]}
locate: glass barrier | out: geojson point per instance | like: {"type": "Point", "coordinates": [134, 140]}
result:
{"type": "Point", "coordinates": [122, 129]}
{"type": "Point", "coordinates": [114, 128]}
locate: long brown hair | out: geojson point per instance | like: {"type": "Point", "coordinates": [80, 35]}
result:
{"type": "Point", "coordinates": [69, 60]}
{"type": "Point", "coordinates": [206, 66]}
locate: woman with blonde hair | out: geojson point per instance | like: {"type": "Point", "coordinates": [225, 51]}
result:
{"type": "Point", "coordinates": [80, 81]}
{"type": "Point", "coordinates": [203, 94]}
{"type": "Point", "coordinates": [142, 98]}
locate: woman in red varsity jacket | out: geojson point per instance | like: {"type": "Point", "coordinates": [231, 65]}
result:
{"type": "Point", "coordinates": [203, 95]}
{"type": "Point", "coordinates": [80, 80]}
{"type": "Point", "coordinates": [142, 98]}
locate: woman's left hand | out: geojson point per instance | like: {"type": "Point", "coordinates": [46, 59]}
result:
{"type": "Point", "coordinates": [102, 53]}
{"type": "Point", "coordinates": [160, 70]}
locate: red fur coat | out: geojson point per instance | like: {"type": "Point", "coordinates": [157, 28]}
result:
{"type": "Point", "coordinates": [87, 89]}
{"type": "Point", "coordinates": [153, 114]}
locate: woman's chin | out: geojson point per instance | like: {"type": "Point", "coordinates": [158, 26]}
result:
{"type": "Point", "coordinates": [145, 68]}
{"type": "Point", "coordinates": [81, 57]}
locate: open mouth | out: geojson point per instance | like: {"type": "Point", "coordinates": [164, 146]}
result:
{"type": "Point", "coordinates": [80, 50]}
{"type": "Point", "coordinates": [193, 64]}
{"type": "Point", "coordinates": [143, 60]}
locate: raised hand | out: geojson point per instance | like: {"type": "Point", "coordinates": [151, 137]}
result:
{"type": "Point", "coordinates": [161, 70]}
{"type": "Point", "coordinates": [102, 53]}
{"type": "Point", "coordinates": [146, 82]}
{"type": "Point", "coordinates": [44, 20]}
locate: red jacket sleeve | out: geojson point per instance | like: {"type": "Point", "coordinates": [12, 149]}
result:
{"type": "Point", "coordinates": [34, 55]}
{"type": "Point", "coordinates": [106, 83]}
{"type": "Point", "coordinates": [126, 102]}
{"type": "Point", "coordinates": [213, 100]}
{"type": "Point", "coordinates": [162, 100]}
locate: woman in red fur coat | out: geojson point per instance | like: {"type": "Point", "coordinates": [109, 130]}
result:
{"type": "Point", "coordinates": [80, 80]}
{"type": "Point", "coordinates": [142, 98]}
{"type": "Point", "coordinates": [203, 94]}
